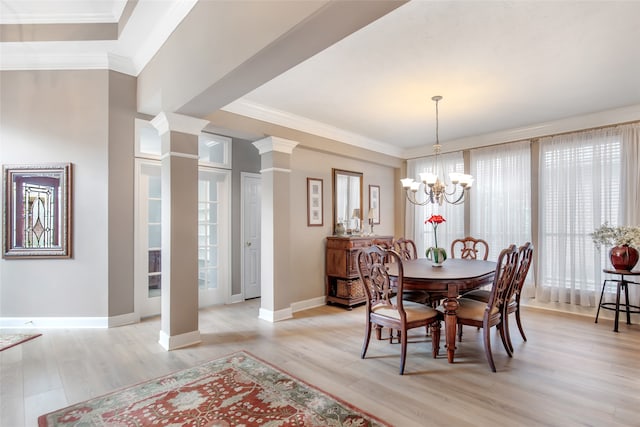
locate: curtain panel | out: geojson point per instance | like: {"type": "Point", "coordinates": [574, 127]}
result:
{"type": "Point", "coordinates": [586, 179]}
{"type": "Point", "coordinates": [501, 200]}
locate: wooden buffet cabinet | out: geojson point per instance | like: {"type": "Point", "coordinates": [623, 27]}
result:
{"type": "Point", "coordinates": [342, 279]}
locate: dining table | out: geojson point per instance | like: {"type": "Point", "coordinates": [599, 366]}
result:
{"type": "Point", "coordinates": [445, 282]}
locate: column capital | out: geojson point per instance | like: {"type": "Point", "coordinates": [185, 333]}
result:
{"type": "Point", "coordinates": [274, 143]}
{"type": "Point", "coordinates": [165, 122]}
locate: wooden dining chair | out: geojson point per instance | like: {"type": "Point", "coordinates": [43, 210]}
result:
{"type": "Point", "coordinates": [470, 248]}
{"type": "Point", "coordinates": [485, 315]}
{"type": "Point", "coordinates": [386, 310]}
{"type": "Point", "coordinates": [407, 250]}
{"type": "Point", "coordinates": [525, 256]}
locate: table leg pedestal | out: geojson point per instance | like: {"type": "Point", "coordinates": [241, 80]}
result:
{"type": "Point", "coordinates": [450, 320]}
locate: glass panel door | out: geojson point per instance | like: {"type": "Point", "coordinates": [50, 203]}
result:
{"type": "Point", "coordinates": [213, 235]}
{"type": "Point", "coordinates": [214, 228]}
{"type": "Point", "coordinates": [148, 238]}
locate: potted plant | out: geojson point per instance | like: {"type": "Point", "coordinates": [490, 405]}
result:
{"type": "Point", "coordinates": [624, 241]}
{"type": "Point", "coordinates": [435, 254]}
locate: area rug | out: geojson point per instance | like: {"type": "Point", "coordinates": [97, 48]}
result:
{"type": "Point", "coordinates": [236, 390]}
{"type": "Point", "coordinates": [11, 340]}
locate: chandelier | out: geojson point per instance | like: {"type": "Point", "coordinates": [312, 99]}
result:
{"type": "Point", "coordinates": [435, 190]}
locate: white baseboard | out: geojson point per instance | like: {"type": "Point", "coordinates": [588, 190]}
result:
{"type": "Point", "coordinates": [236, 298]}
{"type": "Point", "coordinates": [54, 322]}
{"type": "Point", "coordinates": [123, 319]}
{"type": "Point", "coordinates": [178, 341]}
{"type": "Point", "coordinates": [275, 316]}
{"type": "Point", "coordinates": [287, 313]}
{"type": "Point", "coordinates": [307, 304]}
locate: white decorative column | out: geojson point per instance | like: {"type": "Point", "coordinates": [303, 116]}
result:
{"type": "Point", "coordinates": [179, 177]}
{"type": "Point", "coordinates": [275, 156]}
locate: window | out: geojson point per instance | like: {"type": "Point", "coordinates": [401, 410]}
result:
{"type": "Point", "coordinates": [501, 195]}
{"type": "Point", "coordinates": [214, 150]}
{"type": "Point", "coordinates": [579, 189]}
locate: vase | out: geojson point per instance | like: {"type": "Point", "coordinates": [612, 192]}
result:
{"type": "Point", "coordinates": [437, 256]}
{"type": "Point", "coordinates": [623, 257]}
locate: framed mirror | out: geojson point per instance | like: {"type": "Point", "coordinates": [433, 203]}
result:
{"type": "Point", "coordinates": [347, 201]}
{"type": "Point", "coordinates": [37, 211]}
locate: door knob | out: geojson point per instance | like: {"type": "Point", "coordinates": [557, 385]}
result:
{"type": "Point", "coordinates": [248, 243]}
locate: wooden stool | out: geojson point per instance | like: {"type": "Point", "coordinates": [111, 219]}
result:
{"type": "Point", "coordinates": [621, 285]}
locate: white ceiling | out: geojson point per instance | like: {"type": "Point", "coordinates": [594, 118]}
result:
{"type": "Point", "coordinates": [498, 65]}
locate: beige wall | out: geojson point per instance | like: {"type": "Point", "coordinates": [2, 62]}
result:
{"type": "Point", "coordinates": [122, 105]}
{"type": "Point", "coordinates": [60, 116]}
{"type": "Point", "coordinates": [306, 278]}
{"type": "Point", "coordinates": [244, 158]}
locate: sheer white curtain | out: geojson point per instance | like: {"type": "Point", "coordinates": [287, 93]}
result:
{"type": "Point", "coordinates": [579, 189]}
{"type": "Point", "coordinates": [416, 228]}
{"type": "Point", "coordinates": [630, 188]}
{"type": "Point", "coordinates": [500, 202]}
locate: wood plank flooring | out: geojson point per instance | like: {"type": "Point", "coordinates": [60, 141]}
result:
{"type": "Point", "coordinates": [570, 372]}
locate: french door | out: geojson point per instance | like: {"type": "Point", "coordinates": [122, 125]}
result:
{"type": "Point", "coordinates": [214, 205]}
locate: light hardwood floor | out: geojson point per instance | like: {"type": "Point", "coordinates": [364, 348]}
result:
{"type": "Point", "coordinates": [571, 372]}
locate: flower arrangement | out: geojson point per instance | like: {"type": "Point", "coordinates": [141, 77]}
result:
{"type": "Point", "coordinates": [616, 236]}
{"type": "Point", "coordinates": [435, 254]}
{"type": "Point", "coordinates": [435, 220]}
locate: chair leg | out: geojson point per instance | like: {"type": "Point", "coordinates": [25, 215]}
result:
{"type": "Point", "coordinates": [435, 338]}
{"type": "Point", "coordinates": [459, 332]}
{"type": "Point", "coordinates": [367, 337]}
{"type": "Point", "coordinates": [626, 301]}
{"type": "Point", "coordinates": [403, 350]}
{"type": "Point", "coordinates": [615, 322]}
{"type": "Point", "coordinates": [487, 347]}
{"type": "Point", "coordinates": [604, 285]}
{"type": "Point", "coordinates": [524, 337]}
{"type": "Point", "coordinates": [378, 329]}
{"type": "Point", "coordinates": [507, 332]}
{"type": "Point", "coordinates": [503, 329]}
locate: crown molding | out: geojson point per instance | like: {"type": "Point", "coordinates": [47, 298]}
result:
{"type": "Point", "coordinates": [48, 13]}
{"type": "Point", "coordinates": [274, 143]}
{"type": "Point", "coordinates": [165, 122]}
{"type": "Point", "coordinates": [257, 111]}
{"type": "Point", "coordinates": [86, 61]}
{"type": "Point", "coordinates": [36, 61]}
{"type": "Point", "coordinates": [98, 55]}
{"type": "Point", "coordinates": [121, 64]}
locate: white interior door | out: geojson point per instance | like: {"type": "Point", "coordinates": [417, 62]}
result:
{"type": "Point", "coordinates": [147, 243]}
{"type": "Point", "coordinates": [214, 261]}
{"type": "Point", "coordinates": [250, 211]}
{"type": "Point", "coordinates": [214, 236]}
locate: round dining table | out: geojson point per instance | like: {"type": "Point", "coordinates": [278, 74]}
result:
{"type": "Point", "coordinates": [445, 282]}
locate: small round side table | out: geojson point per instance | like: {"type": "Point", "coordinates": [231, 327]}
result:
{"type": "Point", "coordinates": [621, 285]}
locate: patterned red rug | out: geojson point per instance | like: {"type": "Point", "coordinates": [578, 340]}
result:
{"type": "Point", "coordinates": [237, 390]}
{"type": "Point", "coordinates": [10, 340]}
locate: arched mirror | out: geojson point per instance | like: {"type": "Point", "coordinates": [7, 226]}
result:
{"type": "Point", "coordinates": [347, 201]}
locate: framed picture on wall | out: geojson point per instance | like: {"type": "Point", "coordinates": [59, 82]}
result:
{"type": "Point", "coordinates": [315, 217]}
{"type": "Point", "coordinates": [37, 208]}
{"type": "Point", "coordinates": [374, 203]}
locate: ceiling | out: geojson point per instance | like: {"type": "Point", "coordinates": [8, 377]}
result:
{"type": "Point", "coordinates": [500, 66]}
